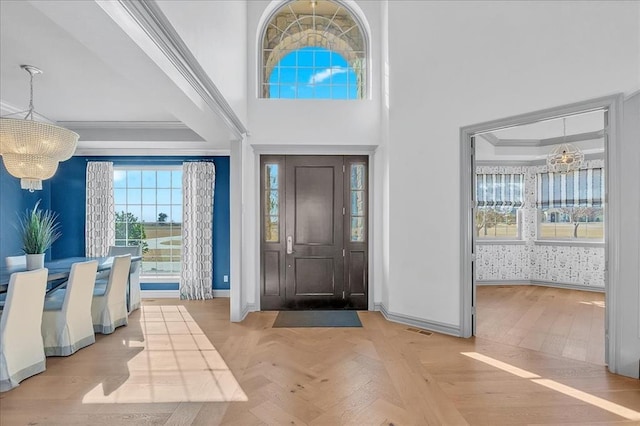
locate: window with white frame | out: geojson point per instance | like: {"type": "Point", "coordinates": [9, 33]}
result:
{"type": "Point", "coordinates": [313, 50]}
{"type": "Point", "coordinates": [499, 198]}
{"type": "Point", "coordinates": [148, 207]}
{"type": "Point", "coordinates": [570, 206]}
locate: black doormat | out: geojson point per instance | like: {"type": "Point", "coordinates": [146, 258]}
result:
{"type": "Point", "coordinates": [317, 319]}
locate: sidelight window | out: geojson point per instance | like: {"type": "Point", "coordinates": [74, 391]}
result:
{"type": "Point", "coordinates": [272, 204]}
{"type": "Point", "coordinates": [358, 202]}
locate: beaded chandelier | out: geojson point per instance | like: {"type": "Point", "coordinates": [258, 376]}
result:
{"type": "Point", "coordinates": [31, 150]}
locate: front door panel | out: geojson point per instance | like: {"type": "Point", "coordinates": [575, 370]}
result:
{"type": "Point", "coordinates": [314, 226]}
{"type": "Point", "coordinates": [313, 232]}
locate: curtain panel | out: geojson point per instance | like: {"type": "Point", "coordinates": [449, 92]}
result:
{"type": "Point", "coordinates": [500, 190]}
{"type": "Point", "coordinates": [581, 188]}
{"type": "Point", "coordinates": [198, 183]}
{"type": "Point", "coordinates": [100, 231]}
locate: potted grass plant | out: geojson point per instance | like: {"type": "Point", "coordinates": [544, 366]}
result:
{"type": "Point", "coordinates": [40, 229]}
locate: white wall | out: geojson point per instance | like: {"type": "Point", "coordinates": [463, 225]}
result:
{"type": "Point", "coordinates": [627, 305]}
{"type": "Point", "coordinates": [215, 32]}
{"type": "Point", "coordinates": [458, 63]}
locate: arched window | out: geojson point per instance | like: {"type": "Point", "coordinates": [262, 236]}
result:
{"type": "Point", "coordinates": [313, 50]}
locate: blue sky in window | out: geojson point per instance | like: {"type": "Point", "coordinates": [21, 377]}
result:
{"type": "Point", "coordinates": [313, 73]}
{"type": "Point", "coordinates": [147, 193]}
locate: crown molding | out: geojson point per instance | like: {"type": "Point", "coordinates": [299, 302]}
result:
{"type": "Point", "coordinates": [148, 15]}
{"type": "Point", "coordinates": [148, 149]}
{"type": "Point", "coordinates": [578, 137]}
{"type": "Point", "coordinates": [534, 162]}
{"type": "Point", "coordinates": [125, 125]}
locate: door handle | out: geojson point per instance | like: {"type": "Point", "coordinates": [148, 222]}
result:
{"type": "Point", "coordinates": [289, 244]}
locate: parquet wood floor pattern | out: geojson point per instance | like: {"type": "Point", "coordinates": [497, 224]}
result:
{"type": "Point", "coordinates": [184, 363]}
{"type": "Point", "coordinates": [557, 321]}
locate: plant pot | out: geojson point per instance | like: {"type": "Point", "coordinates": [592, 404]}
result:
{"type": "Point", "coordinates": [35, 261]}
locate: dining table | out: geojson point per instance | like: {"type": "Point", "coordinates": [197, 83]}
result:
{"type": "Point", "coordinates": [59, 270]}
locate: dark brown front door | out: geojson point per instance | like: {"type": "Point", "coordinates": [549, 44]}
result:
{"type": "Point", "coordinates": [314, 250]}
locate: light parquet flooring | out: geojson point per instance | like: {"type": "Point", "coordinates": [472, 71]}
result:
{"type": "Point", "coordinates": [183, 363]}
{"type": "Point", "coordinates": [557, 321]}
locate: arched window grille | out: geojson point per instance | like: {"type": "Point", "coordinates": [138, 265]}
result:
{"type": "Point", "coordinates": [314, 49]}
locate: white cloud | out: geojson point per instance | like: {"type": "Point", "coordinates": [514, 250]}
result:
{"type": "Point", "coordinates": [323, 75]}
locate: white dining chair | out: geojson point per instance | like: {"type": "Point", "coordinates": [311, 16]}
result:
{"type": "Point", "coordinates": [67, 325]}
{"type": "Point", "coordinates": [21, 347]}
{"type": "Point", "coordinates": [134, 273]}
{"type": "Point", "coordinates": [134, 300]}
{"type": "Point", "coordinates": [109, 303]}
{"type": "Point", "coordinates": [13, 261]}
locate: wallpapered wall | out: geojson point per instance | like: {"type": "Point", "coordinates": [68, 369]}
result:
{"type": "Point", "coordinates": [531, 261]}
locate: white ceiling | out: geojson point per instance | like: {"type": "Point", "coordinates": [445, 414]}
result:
{"type": "Point", "coordinates": [98, 77]}
{"type": "Point", "coordinates": [532, 142]}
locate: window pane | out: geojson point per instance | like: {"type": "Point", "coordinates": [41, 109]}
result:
{"type": "Point", "coordinates": [176, 214]}
{"type": "Point", "coordinates": [497, 222]}
{"type": "Point", "coordinates": [271, 229]}
{"type": "Point", "coordinates": [357, 229]}
{"type": "Point", "coordinates": [271, 199]}
{"type": "Point", "coordinates": [148, 178]}
{"type": "Point", "coordinates": [357, 203]}
{"type": "Point", "coordinates": [176, 178]}
{"type": "Point", "coordinates": [120, 195]}
{"type": "Point", "coordinates": [119, 179]}
{"type": "Point", "coordinates": [271, 176]}
{"type": "Point", "coordinates": [164, 179]}
{"type": "Point", "coordinates": [164, 196]}
{"type": "Point", "coordinates": [134, 178]}
{"type": "Point", "coordinates": [134, 213]}
{"type": "Point", "coordinates": [149, 196]}
{"type": "Point", "coordinates": [149, 213]}
{"type": "Point", "coordinates": [134, 196]}
{"type": "Point", "coordinates": [176, 196]}
{"type": "Point", "coordinates": [357, 176]}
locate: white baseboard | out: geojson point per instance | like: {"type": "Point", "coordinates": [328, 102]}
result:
{"type": "Point", "coordinates": [418, 322]}
{"type": "Point", "coordinates": [544, 284]}
{"type": "Point", "coordinates": [175, 294]}
{"type": "Point", "coordinates": [249, 307]}
{"type": "Point", "coordinates": [159, 294]}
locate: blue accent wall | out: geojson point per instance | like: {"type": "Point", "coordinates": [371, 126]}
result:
{"type": "Point", "coordinates": [13, 202]}
{"type": "Point", "coordinates": [65, 195]}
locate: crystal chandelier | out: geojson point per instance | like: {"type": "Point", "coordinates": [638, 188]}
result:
{"type": "Point", "coordinates": [565, 157]}
{"type": "Point", "coordinates": [31, 150]}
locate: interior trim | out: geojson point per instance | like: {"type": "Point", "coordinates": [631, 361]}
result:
{"type": "Point", "coordinates": [568, 286]}
{"type": "Point", "coordinates": [436, 326]}
{"type": "Point", "coordinates": [151, 19]}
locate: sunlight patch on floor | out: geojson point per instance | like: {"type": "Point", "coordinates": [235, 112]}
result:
{"type": "Point", "coordinates": [598, 303]}
{"type": "Point", "coordinates": [177, 363]}
{"type": "Point", "coordinates": [558, 387]}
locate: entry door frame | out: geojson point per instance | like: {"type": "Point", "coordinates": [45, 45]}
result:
{"type": "Point", "coordinates": [613, 205]}
{"type": "Point", "coordinates": [373, 200]}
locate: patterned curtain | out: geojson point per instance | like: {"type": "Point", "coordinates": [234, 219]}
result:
{"type": "Point", "coordinates": [100, 231]}
{"type": "Point", "coordinates": [198, 183]}
{"type": "Point", "coordinates": [500, 190]}
{"type": "Point", "coordinates": [580, 188]}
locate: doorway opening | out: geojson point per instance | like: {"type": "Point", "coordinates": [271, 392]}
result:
{"type": "Point", "coordinates": [554, 236]}
{"type": "Point", "coordinates": [313, 232]}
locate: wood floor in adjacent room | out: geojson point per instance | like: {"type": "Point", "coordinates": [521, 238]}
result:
{"type": "Point", "coordinates": [557, 321]}
{"type": "Point", "coordinates": [181, 363]}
